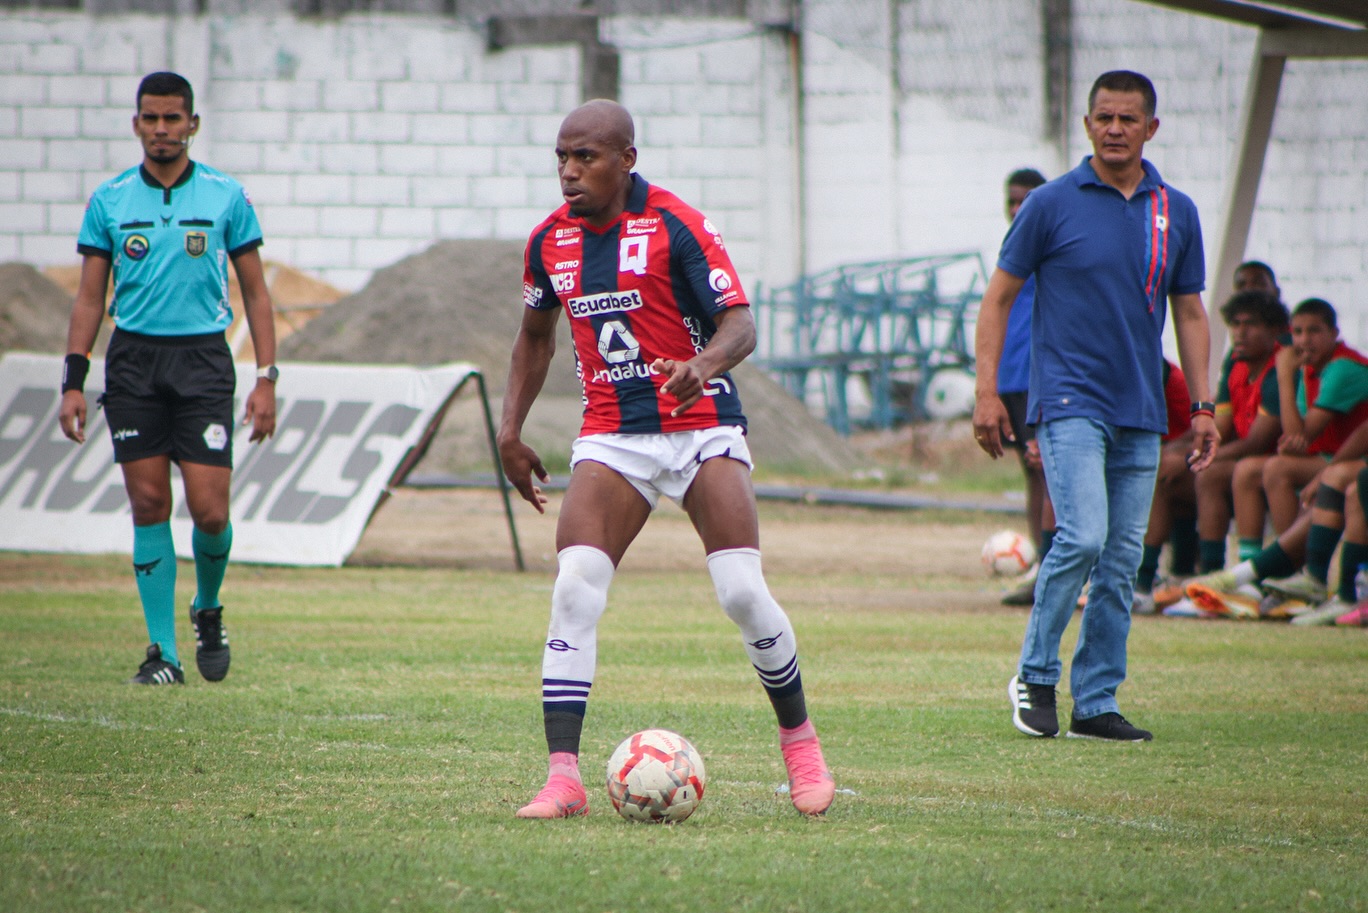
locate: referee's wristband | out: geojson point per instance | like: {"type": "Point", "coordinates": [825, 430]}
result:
{"type": "Point", "coordinates": [74, 370]}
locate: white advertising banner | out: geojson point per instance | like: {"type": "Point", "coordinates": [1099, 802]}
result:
{"type": "Point", "coordinates": [301, 498]}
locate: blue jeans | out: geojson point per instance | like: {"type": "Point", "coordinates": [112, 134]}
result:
{"type": "Point", "coordinates": [1101, 480]}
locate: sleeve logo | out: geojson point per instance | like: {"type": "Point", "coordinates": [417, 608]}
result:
{"type": "Point", "coordinates": [719, 280]}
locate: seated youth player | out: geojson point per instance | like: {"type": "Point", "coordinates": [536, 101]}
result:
{"type": "Point", "coordinates": [1312, 537]}
{"type": "Point", "coordinates": [1247, 404]}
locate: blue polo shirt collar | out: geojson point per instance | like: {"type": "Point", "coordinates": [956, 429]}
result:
{"type": "Point", "coordinates": [1084, 174]}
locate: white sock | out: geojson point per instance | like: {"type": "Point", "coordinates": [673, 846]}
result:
{"type": "Point", "coordinates": [765, 628]}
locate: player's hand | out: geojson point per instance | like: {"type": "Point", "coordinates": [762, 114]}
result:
{"type": "Point", "coordinates": [683, 382]}
{"type": "Point", "coordinates": [72, 416]}
{"type": "Point", "coordinates": [991, 425]}
{"type": "Point", "coordinates": [261, 411]}
{"type": "Point", "coordinates": [1292, 444]}
{"type": "Point", "coordinates": [520, 463]}
{"type": "Point", "coordinates": [1308, 493]}
{"type": "Point", "coordinates": [1205, 440]}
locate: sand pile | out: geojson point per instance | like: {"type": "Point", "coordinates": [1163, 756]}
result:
{"type": "Point", "coordinates": [34, 311]}
{"type": "Point", "coordinates": [462, 301]}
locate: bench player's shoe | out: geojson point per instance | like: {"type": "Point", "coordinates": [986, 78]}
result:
{"type": "Point", "coordinates": [561, 797]}
{"type": "Point", "coordinates": [1323, 614]}
{"type": "Point", "coordinates": [157, 671]}
{"type": "Point", "coordinates": [211, 643]}
{"type": "Point", "coordinates": [1300, 585]}
{"type": "Point", "coordinates": [811, 787]}
{"type": "Point", "coordinates": [1219, 594]}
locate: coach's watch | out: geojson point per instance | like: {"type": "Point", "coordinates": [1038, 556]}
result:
{"type": "Point", "coordinates": [270, 373]}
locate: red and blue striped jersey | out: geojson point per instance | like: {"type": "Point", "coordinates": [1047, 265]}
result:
{"type": "Point", "coordinates": [647, 286]}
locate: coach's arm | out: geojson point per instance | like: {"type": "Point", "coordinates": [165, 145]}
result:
{"type": "Point", "coordinates": [991, 424]}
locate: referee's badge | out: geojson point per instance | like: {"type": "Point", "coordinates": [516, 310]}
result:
{"type": "Point", "coordinates": [196, 243]}
{"type": "Point", "coordinates": [135, 247]}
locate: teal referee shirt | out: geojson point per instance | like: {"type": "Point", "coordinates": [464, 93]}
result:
{"type": "Point", "coordinates": [170, 247]}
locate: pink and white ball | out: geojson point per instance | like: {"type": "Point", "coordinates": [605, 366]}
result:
{"type": "Point", "coordinates": [1008, 553]}
{"type": "Point", "coordinates": [656, 776]}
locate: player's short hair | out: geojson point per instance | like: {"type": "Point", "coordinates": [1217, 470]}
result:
{"type": "Point", "coordinates": [1318, 307]}
{"type": "Point", "coordinates": [1259, 265]}
{"type": "Point", "coordinates": [166, 83]}
{"type": "Point", "coordinates": [1025, 177]}
{"type": "Point", "coordinates": [1262, 306]}
{"type": "Point", "coordinates": [1125, 81]}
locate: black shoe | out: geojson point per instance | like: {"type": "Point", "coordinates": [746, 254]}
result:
{"type": "Point", "coordinates": [157, 671]}
{"type": "Point", "coordinates": [1033, 708]}
{"type": "Point", "coordinates": [1111, 727]}
{"type": "Point", "coordinates": [211, 643]}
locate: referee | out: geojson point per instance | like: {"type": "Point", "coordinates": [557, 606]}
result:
{"type": "Point", "coordinates": [167, 229]}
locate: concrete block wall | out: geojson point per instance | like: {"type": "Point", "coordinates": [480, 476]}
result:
{"type": "Point", "coordinates": [365, 137]}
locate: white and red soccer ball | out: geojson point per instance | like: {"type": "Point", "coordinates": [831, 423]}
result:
{"type": "Point", "coordinates": [656, 776]}
{"type": "Point", "coordinates": [1008, 553]}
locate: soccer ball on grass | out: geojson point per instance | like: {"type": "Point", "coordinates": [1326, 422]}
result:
{"type": "Point", "coordinates": [1008, 553]}
{"type": "Point", "coordinates": [656, 775]}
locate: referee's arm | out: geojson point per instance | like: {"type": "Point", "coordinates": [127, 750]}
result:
{"type": "Point", "coordinates": [256, 307]}
{"type": "Point", "coordinates": [86, 314]}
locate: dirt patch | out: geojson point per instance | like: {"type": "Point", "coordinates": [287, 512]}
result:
{"type": "Point", "coordinates": [467, 528]}
{"type": "Point", "coordinates": [34, 310]}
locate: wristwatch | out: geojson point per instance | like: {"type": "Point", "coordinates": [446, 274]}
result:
{"type": "Point", "coordinates": [271, 373]}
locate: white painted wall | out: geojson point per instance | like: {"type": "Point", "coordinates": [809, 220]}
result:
{"type": "Point", "coordinates": [363, 138]}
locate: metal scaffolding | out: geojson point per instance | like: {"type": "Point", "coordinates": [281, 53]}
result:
{"type": "Point", "coordinates": [888, 326]}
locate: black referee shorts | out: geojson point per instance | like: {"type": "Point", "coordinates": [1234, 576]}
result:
{"type": "Point", "coordinates": [170, 395]}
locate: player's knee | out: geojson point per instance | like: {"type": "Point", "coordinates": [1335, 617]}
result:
{"type": "Point", "coordinates": [212, 522]}
{"type": "Point", "coordinates": [580, 593]}
{"type": "Point", "coordinates": [740, 584]}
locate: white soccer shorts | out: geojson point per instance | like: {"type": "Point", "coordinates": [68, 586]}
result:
{"type": "Point", "coordinates": [662, 464]}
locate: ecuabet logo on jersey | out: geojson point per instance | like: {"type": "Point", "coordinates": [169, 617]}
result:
{"type": "Point", "coordinates": [196, 243]}
{"type": "Point", "coordinates": [605, 303]}
{"type": "Point", "coordinates": [135, 247]}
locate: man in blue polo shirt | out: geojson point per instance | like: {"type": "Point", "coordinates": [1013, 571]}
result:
{"type": "Point", "coordinates": [167, 229]}
{"type": "Point", "coordinates": [1108, 243]}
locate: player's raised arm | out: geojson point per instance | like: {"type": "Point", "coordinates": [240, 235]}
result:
{"type": "Point", "coordinates": [729, 346]}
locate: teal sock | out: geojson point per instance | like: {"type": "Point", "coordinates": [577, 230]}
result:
{"type": "Point", "coordinates": [1273, 562]}
{"type": "Point", "coordinates": [1320, 548]}
{"type": "Point", "coordinates": [154, 569]}
{"type": "Point", "coordinates": [1149, 566]}
{"type": "Point", "coordinates": [1352, 554]}
{"type": "Point", "coordinates": [1185, 545]}
{"type": "Point", "coordinates": [211, 563]}
{"type": "Point", "coordinates": [1249, 548]}
{"type": "Point", "coordinates": [1213, 554]}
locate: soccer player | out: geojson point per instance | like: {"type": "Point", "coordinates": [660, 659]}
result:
{"type": "Point", "coordinates": [1013, 380]}
{"type": "Point", "coordinates": [1109, 244]}
{"type": "Point", "coordinates": [167, 229]}
{"type": "Point", "coordinates": [1247, 404]}
{"type": "Point", "coordinates": [658, 317]}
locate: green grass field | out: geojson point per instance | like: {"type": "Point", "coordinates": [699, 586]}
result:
{"type": "Point", "coordinates": [380, 726]}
